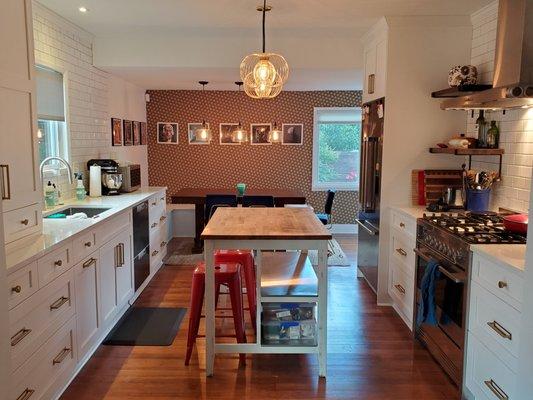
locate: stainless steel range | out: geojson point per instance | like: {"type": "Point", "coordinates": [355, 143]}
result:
{"type": "Point", "coordinates": [446, 238]}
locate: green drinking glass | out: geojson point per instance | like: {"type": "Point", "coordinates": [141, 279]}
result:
{"type": "Point", "coordinates": [241, 187]}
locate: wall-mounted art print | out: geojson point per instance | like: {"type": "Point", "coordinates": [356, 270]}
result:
{"type": "Point", "coordinates": [192, 128]}
{"type": "Point", "coordinates": [128, 133]}
{"type": "Point", "coordinates": [116, 131]}
{"type": "Point", "coordinates": [293, 134]}
{"type": "Point", "coordinates": [144, 133]}
{"type": "Point", "coordinates": [167, 132]}
{"type": "Point", "coordinates": [226, 133]}
{"type": "Point", "coordinates": [259, 133]}
{"type": "Point", "coordinates": [136, 133]}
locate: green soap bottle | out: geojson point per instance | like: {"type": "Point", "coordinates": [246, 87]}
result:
{"type": "Point", "coordinates": [493, 136]}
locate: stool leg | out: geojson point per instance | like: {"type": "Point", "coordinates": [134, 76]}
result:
{"type": "Point", "coordinates": [249, 277]}
{"type": "Point", "coordinates": [235, 291]}
{"type": "Point", "coordinates": [197, 300]}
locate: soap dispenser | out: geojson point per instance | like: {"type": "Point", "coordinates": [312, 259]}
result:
{"type": "Point", "coordinates": [80, 189]}
{"type": "Point", "coordinates": [49, 195]}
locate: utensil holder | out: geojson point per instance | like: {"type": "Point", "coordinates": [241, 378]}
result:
{"type": "Point", "coordinates": [477, 200]}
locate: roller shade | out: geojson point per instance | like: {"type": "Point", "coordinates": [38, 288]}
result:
{"type": "Point", "coordinates": [341, 115]}
{"type": "Point", "coordinates": [50, 96]}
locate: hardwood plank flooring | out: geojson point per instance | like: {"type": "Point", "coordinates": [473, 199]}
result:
{"type": "Point", "coordinates": [372, 355]}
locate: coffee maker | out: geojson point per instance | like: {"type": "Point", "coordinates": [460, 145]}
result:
{"type": "Point", "coordinates": [111, 179]}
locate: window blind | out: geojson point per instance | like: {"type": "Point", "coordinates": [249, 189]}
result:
{"type": "Point", "coordinates": [50, 95]}
{"type": "Point", "coordinates": [341, 115]}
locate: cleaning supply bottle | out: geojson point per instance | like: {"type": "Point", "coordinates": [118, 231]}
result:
{"type": "Point", "coordinates": [80, 189]}
{"type": "Point", "coordinates": [49, 195]}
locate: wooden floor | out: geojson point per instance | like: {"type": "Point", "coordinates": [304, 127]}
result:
{"type": "Point", "coordinates": [371, 355]}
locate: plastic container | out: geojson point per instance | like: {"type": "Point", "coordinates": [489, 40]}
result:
{"type": "Point", "coordinates": [477, 200]}
{"type": "Point", "coordinates": [241, 187]}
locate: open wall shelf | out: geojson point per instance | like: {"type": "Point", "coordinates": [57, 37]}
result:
{"type": "Point", "coordinates": [469, 153]}
{"type": "Point", "coordinates": [459, 91]}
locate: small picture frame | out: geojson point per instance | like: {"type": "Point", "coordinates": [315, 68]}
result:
{"type": "Point", "coordinates": [293, 134]}
{"type": "Point", "coordinates": [226, 133]}
{"type": "Point", "coordinates": [136, 133]}
{"type": "Point", "coordinates": [116, 131]}
{"type": "Point", "coordinates": [167, 132]}
{"type": "Point", "coordinates": [128, 133]}
{"type": "Point", "coordinates": [144, 134]}
{"type": "Point", "coordinates": [191, 128]}
{"type": "Point", "coordinates": [259, 133]}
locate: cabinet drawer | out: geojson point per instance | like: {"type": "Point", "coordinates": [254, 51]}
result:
{"type": "Point", "coordinates": [22, 222]}
{"type": "Point", "coordinates": [112, 227]}
{"type": "Point", "coordinates": [487, 376]}
{"type": "Point", "coordinates": [402, 250]}
{"type": "Point", "coordinates": [401, 290]}
{"type": "Point", "coordinates": [404, 223]}
{"type": "Point", "coordinates": [495, 323]}
{"type": "Point", "coordinates": [54, 264]}
{"type": "Point", "coordinates": [34, 320]}
{"type": "Point", "coordinates": [499, 280]}
{"type": "Point", "coordinates": [22, 284]}
{"type": "Point", "coordinates": [53, 360]}
{"type": "Point", "coordinates": [83, 246]}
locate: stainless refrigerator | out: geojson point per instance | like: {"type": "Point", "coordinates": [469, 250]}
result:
{"type": "Point", "coordinates": [371, 151]}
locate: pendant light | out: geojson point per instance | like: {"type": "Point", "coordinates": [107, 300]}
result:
{"type": "Point", "coordinates": [239, 135]}
{"type": "Point", "coordinates": [264, 74]}
{"type": "Point", "coordinates": [203, 134]}
{"type": "Point", "coordinates": [274, 136]}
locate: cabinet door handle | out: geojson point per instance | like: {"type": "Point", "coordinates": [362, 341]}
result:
{"type": "Point", "coordinates": [26, 394]}
{"type": "Point", "coordinates": [502, 284]}
{"type": "Point", "coordinates": [162, 218]}
{"type": "Point", "coordinates": [163, 244]}
{"type": "Point", "coordinates": [154, 225]}
{"type": "Point", "coordinates": [16, 289]}
{"type": "Point", "coordinates": [402, 225]}
{"type": "Point", "coordinates": [401, 252]}
{"type": "Point", "coordinates": [500, 330]}
{"type": "Point", "coordinates": [498, 392]}
{"type": "Point", "coordinates": [120, 254]}
{"type": "Point", "coordinates": [6, 185]}
{"type": "Point", "coordinates": [116, 256]}
{"type": "Point", "coordinates": [163, 199]}
{"type": "Point", "coordinates": [17, 337]}
{"type": "Point", "coordinates": [371, 83]}
{"type": "Point", "coordinates": [88, 244]}
{"type": "Point", "coordinates": [58, 263]}
{"type": "Point", "coordinates": [25, 221]}
{"type": "Point", "coordinates": [58, 303]}
{"type": "Point", "coordinates": [61, 356]}
{"type": "Point", "coordinates": [400, 288]}
{"type": "Point", "coordinates": [154, 253]}
{"type": "Point", "coordinates": [154, 203]}
{"type": "Point", "coordinates": [89, 262]}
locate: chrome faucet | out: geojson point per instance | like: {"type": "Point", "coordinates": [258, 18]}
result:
{"type": "Point", "coordinates": [61, 160]}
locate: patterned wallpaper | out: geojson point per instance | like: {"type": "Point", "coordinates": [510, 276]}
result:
{"type": "Point", "coordinates": [269, 166]}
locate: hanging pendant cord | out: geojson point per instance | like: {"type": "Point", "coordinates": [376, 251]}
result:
{"type": "Point", "coordinates": [264, 16]}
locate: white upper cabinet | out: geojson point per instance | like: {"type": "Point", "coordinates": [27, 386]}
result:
{"type": "Point", "coordinates": [375, 63]}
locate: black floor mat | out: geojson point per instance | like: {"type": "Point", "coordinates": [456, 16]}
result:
{"type": "Point", "coordinates": [146, 326]}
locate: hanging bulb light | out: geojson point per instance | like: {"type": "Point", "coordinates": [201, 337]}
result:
{"type": "Point", "coordinates": [274, 136]}
{"type": "Point", "coordinates": [264, 74]}
{"type": "Point", "coordinates": [239, 135]}
{"type": "Point", "coordinates": [203, 134]}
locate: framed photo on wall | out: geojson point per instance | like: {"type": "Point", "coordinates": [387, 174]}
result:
{"type": "Point", "coordinates": [293, 134]}
{"type": "Point", "coordinates": [116, 131]}
{"type": "Point", "coordinates": [144, 133]}
{"type": "Point", "coordinates": [128, 133]}
{"type": "Point", "coordinates": [191, 128]}
{"type": "Point", "coordinates": [226, 131]}
{"type": "Point", "coordinates": [259, 133]}
{"type": "Point", "coordinates": [167, 132]}
{"type": "Point", "coordinates": [136, 133]}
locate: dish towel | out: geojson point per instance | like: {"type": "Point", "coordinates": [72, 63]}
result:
{"type": "Point", "coordinates": [427, 309]}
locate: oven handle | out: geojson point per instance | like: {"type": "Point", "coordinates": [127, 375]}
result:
{"type": "Point", "coordinates": [366, 228]}
{"type": "Point", "coordinates": [456, 277]}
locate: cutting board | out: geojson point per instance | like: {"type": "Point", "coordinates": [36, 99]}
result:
{"type": "Point", "coordinates": [428, 185]}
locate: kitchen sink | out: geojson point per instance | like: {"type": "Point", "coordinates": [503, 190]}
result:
{"type": "Point", "coordinates": [89, 211]}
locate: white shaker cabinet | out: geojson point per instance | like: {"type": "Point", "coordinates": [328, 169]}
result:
{"type": "Point", "coordinates": [375, 64]}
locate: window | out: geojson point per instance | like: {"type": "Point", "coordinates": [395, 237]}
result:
{"type": "Point", "coordinates": [336, 137]}
{"type": "Point", "coordinates": [52, 128]}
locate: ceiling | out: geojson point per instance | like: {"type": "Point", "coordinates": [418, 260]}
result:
{"type": "Point", "coordinates": [202, 19]}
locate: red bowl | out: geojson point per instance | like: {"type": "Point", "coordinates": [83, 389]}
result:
{"type": "Point", "coordinates": [516, 223]}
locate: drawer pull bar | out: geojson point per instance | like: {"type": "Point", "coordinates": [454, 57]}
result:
{"type": "Point", "coordinates": [26, 394]}
{"type": "Point", "coordinates": [154, 203]}
{"type": "Point", "coordinates": [6, 185]}
{"type": "Point", "coordinates": [400, 288]}
{"type": "Point", "coordinates": [162, 218]}
{"type": "Point", "coordinates": [16, 289]}
{"type": "Point", "coordinates": [163, 244]}
{"type": "Point", "coordinates": [25, 221]}
{"type": "Point", "coordinates": [89, 262]}
{"type": "Point", "coordinates": [401, 252]}
{"type": "Point", "coordinates": [500, 330]}
{"type": "Point", "coordinates": [17, 337]}
{"type": "Point", "coordinates": [61, 356]}
{"type": "Point", "coordinates": [154, 225]}
{"type": "Point", "coordinates": [502, 284]}
{"type": "Point", "coordinates": [155, 253]}
{"type": "Point", "coordinates": [498, 392]}
{"type": "Point", "coordinates": [58, 263]}
{"type": "Point", "coordinates": [59, 302]}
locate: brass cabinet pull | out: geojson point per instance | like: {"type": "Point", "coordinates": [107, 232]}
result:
{"type": "Point", "coordinates": [154, 225]}
{"type": "Point", "coordinates": [16, 289]}
{"type": "Point", "coordinates": [120, 255]}
{"type": "Point", "coordinates": [89, 262]}
{"type": "Point", "coordinates": [25, 221]}
{"type": "Point", "coordinates": [59, 302]}
{"type": "Point", "coordinates": [498, 392]}
{"type": "Point", "coordinates": [401, 252]}
{"type": "Point", "coordinates": [371, 83]}
{"type": "Point", "coordinates": [402, 225]}
{"type": "Point", "coordinates": [17, 337]}
{"type": "Point", "coordinates": [163, 244]}
{"type": "Point", "coordinates": [116, 256]}
{"type": "Point", "coordinates": [502, 284]}
{"type": "Point", "coordinates": [88, 244]}
{"type": "Point", "coordinates": [26, 394]}
{"type": "Point", "coordinates": [162, 218]}
{"type": "Point", "coordinates": [58, 263]}
{"type": "Point", "coordinates": [6, 186]}
{"type": "Point", "coordinates": [500, 330]}
{"type": "Point", "coordinates": [163, 199]}
{"type": "Point", "coordinates": [154, 253]}
{"type": "Point", "coordinates": [154, 203]}
{"type": "Point", "coordinates": [61, 356]}
{"type": "Point", "coordinates": [400, 288]}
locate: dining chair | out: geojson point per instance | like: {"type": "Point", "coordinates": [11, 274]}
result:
{"type": "Point", "coordinates": [258, 201]}
{"type": "Point", "coordinates": [325, 217]}
{"type": "Point", "coordinates": [213, 201]}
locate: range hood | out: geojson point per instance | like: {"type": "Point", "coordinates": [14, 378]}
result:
{"type": "Point", "coordinates": [512, 86]}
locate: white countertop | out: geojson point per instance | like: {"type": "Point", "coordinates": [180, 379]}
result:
{"type": "Point", "coordinates": [56, 231]}
{"type": "Point", "coordinates": [510, 255]}
{"type": "Point", "coordinates": [413, 211]}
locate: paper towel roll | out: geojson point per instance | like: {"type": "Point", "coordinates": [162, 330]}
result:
{"type": "Point", "coordinates": [95, 181]}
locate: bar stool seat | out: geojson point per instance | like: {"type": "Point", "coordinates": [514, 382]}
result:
{"type": "Point", "coordinates": [228, 274]}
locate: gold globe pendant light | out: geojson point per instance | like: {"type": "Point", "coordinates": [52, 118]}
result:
{"type": "Point", "coordinates": [274, 136]}
{"type": "Point", "coordinates": [203, 134]}
{"type": "Point", "coordinates": [239, 135]}
{"type": "Point", "coordinates": [264, 74]}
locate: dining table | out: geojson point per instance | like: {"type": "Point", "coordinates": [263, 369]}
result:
{"type": "Point", "coordinates": [197, 197]}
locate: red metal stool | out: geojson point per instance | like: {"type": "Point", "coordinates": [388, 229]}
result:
{"type": "Point", "coordinates": [246, 259]}
{"type": "Point", "coordinates": [228, 274]}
